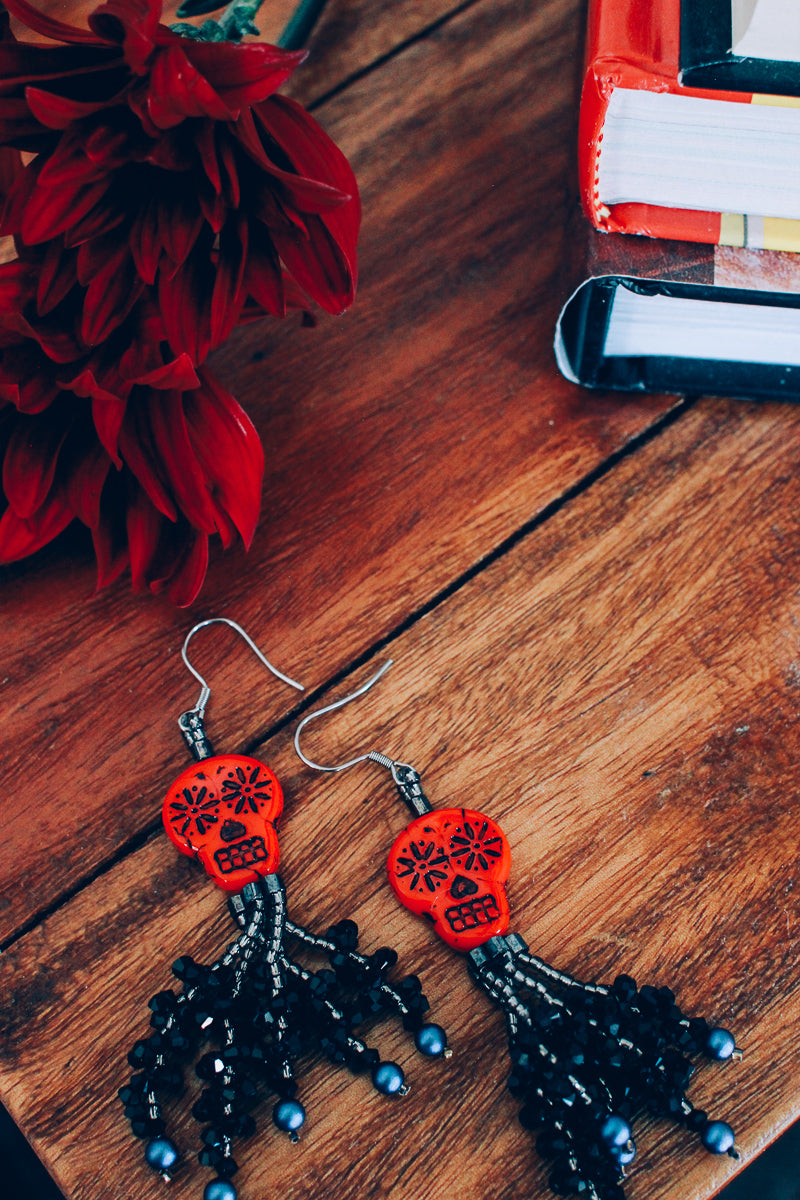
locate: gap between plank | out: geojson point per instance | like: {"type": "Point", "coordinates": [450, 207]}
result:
{"type": "Point", "coordinates": [363, 72]}
{"type": "Point", "coordinates": [504, 547]}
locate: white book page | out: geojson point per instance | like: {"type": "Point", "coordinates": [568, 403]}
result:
{"type": "Point", "coordinates": [691, 152]}
{"type": "Point", "coordinates": [766, 29]}
{"type": "Point", "coordinates": [679, 327]}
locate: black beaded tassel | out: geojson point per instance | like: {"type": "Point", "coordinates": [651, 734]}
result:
{"type": "Point", "coordinates": [586, 1058]}
{"type": "Point", "coordinates": [259, 1010]}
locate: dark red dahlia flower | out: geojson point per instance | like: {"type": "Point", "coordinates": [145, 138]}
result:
{"type": "Point", "coordinates": [151, 454]}
{"type": "Point", "coordinates": [168, 163]}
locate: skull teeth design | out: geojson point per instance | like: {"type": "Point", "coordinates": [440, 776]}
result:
{"type": "Point", "coordinates": [241, 854]}
{"type": "Point", "coordinates": [480, 911]}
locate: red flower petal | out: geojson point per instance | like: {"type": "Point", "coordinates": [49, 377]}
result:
{"type": "Point", "coordinates": [206, 144]}
{"type": "Point", "coordinates": [68, 165]}
{"type": "Point", "coordinates": [57, 276]}
{"type": "Point", "coordinates": [243, 74]}
{"type": "Point", "coordinates": [107, 269]}
{"type": "Point", "coordinates": [30, 462]}
{"type": "Point", "coordinates": [25, 380]}
{"type": "Point", "coordinates": [229, 451]}
{"type": "Point", "coordinates": [263, 278]}
{"type": "Point", "coordinates": [313, 154]}
{"type": "Point", "coordinates": [178, 90]}
{"type": "Point", "coordinates": [187, 578]}
{"type": "Point", "coordinates": [176, 455]}
{"type": "Point", "coordinates": [48, 26]}
{"type": "Point", "coordinates": [108, 410]}
{"type": "Point", "coordinates": [180, 296]}
{"type": "Point", "coordinates": [144, 241]}
{"type": "Point", "coordinates": [20, 536]}
{"type": "Point", "coordinates": [18, 198]}
{"type": "Point", "coordinates": [309, 195]}
{"type": "Point", "coordinates": [228, 295]}
{"type": "Point", "coordinates": [110, 552]}
{"type": "Point", "coordinates": [318, 265]}
{"type": "Point", "coordinates": [136, 447]}
{"type": "Point", "coordinates": [143, 524]}
{"type": "Point", "coordinates": [10, 169]}
{"type": "Point", "coordinates": [51, 211]}
{"type": "Point", "coordinates": [178, 375]}
{"type": "Point", "coordinates": [84, 486]}
{"type": "Point", "coordinates": [131, 23]}
{"type": "Point", "coordinates": [179, 225]}
{"type": "Point", "coordinates": [58, 112]}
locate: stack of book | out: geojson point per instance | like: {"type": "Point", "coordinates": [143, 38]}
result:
{"type": "Point", "coordinates": [690, 142]}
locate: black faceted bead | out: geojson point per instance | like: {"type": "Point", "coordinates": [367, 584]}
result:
{"type": "Point", "coordinates": [186, 969]}
{"type": "Point", "coordinates": [147, 1127]}
{"type": "Point", "coordinates": [383, 959]}
{"type": "Point", "coordinates": [624, 987]}
{"type": "Point", "coordinates": [164, 1003]}
{"type": "Point", "coordinates": [225, 1166]}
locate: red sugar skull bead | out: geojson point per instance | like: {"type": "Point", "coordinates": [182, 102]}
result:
{"type": "Point", "coordinates": [223, 811]}
{"type": "Point", "coordinates": [450, 865]}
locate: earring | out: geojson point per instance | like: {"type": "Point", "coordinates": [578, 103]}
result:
{"type": "Point", "coordinates": [586, 1058]}
{"type": "Point", "coordinates": [260, 1008]}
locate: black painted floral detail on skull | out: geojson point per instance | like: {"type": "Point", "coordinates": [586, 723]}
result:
{"type": "Point", "coordinates": [474, 848]}
{"type": "Point", "coordinates": [247, 790]}
{"type": "Point", "coordinates": [200, 811]}
{"type": "Point", "coordinates": [426, 863]}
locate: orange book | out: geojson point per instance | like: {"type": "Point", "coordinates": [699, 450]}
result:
{"type": "Point", "coordinates": [659, 158]}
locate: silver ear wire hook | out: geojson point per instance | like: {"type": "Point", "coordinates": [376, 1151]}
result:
{"type": "Point", "coordinates": [405, 777]}
{"type": "Point", "coordinates": [205, 691]}
{"type": "Point", "coordinates": [373, 755]}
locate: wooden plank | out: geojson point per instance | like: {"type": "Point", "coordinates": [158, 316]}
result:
{"type": "Point", "coordinates": [620, 692]}
{"type": "Point", "coordinates": [404, 443]}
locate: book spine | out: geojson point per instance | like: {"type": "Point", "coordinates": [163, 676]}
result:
{"type": "Point", "coordinates": [634, 45]}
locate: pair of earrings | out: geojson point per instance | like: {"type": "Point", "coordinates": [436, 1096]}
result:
{"type": "Point", "coordinates": [585, 1057]}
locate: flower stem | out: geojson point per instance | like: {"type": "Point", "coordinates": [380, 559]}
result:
{"type": "Point", "coordinates": [300, 24]}
{"type": "Point", "coordinates": [238, 19]}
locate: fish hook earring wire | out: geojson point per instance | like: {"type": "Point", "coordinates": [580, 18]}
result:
{"type": "Point", "coordinates": [586, 1058]}
{"type": "Point", "coordinates": [261, 1008]}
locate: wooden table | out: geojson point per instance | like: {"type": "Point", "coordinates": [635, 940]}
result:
{"type": "Point", "coordinates": [593, 604]}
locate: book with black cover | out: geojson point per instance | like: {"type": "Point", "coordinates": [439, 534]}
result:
{"type": "Point", "coordinates": [708, 57]}
{"type": "Point", "coordinates": [648, 314]}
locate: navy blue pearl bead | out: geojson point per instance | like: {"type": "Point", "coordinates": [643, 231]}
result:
{"type": "Point", "coordinates": [160, 1154]}
{"type": "Point", "coordinates": [717, 1137]}
{"type": "Point", "coordinates": [219, 1189]}
{"type": "Point", "coordinates": [431, 1040]}
{"type": "Point", "coordinates": [719, 1044]}
{"type": "Point", "coordinates": [615, 1132]}
{"type": "Point", "coordinates": [388, 1078]}
{"type": "Point", "coordinates": [289, 1115]}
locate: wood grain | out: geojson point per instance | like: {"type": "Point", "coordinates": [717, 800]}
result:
{"type": "Point", "coordinates": [619, 690]}
{"type": "Point", "coordinates": [405, 442]}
